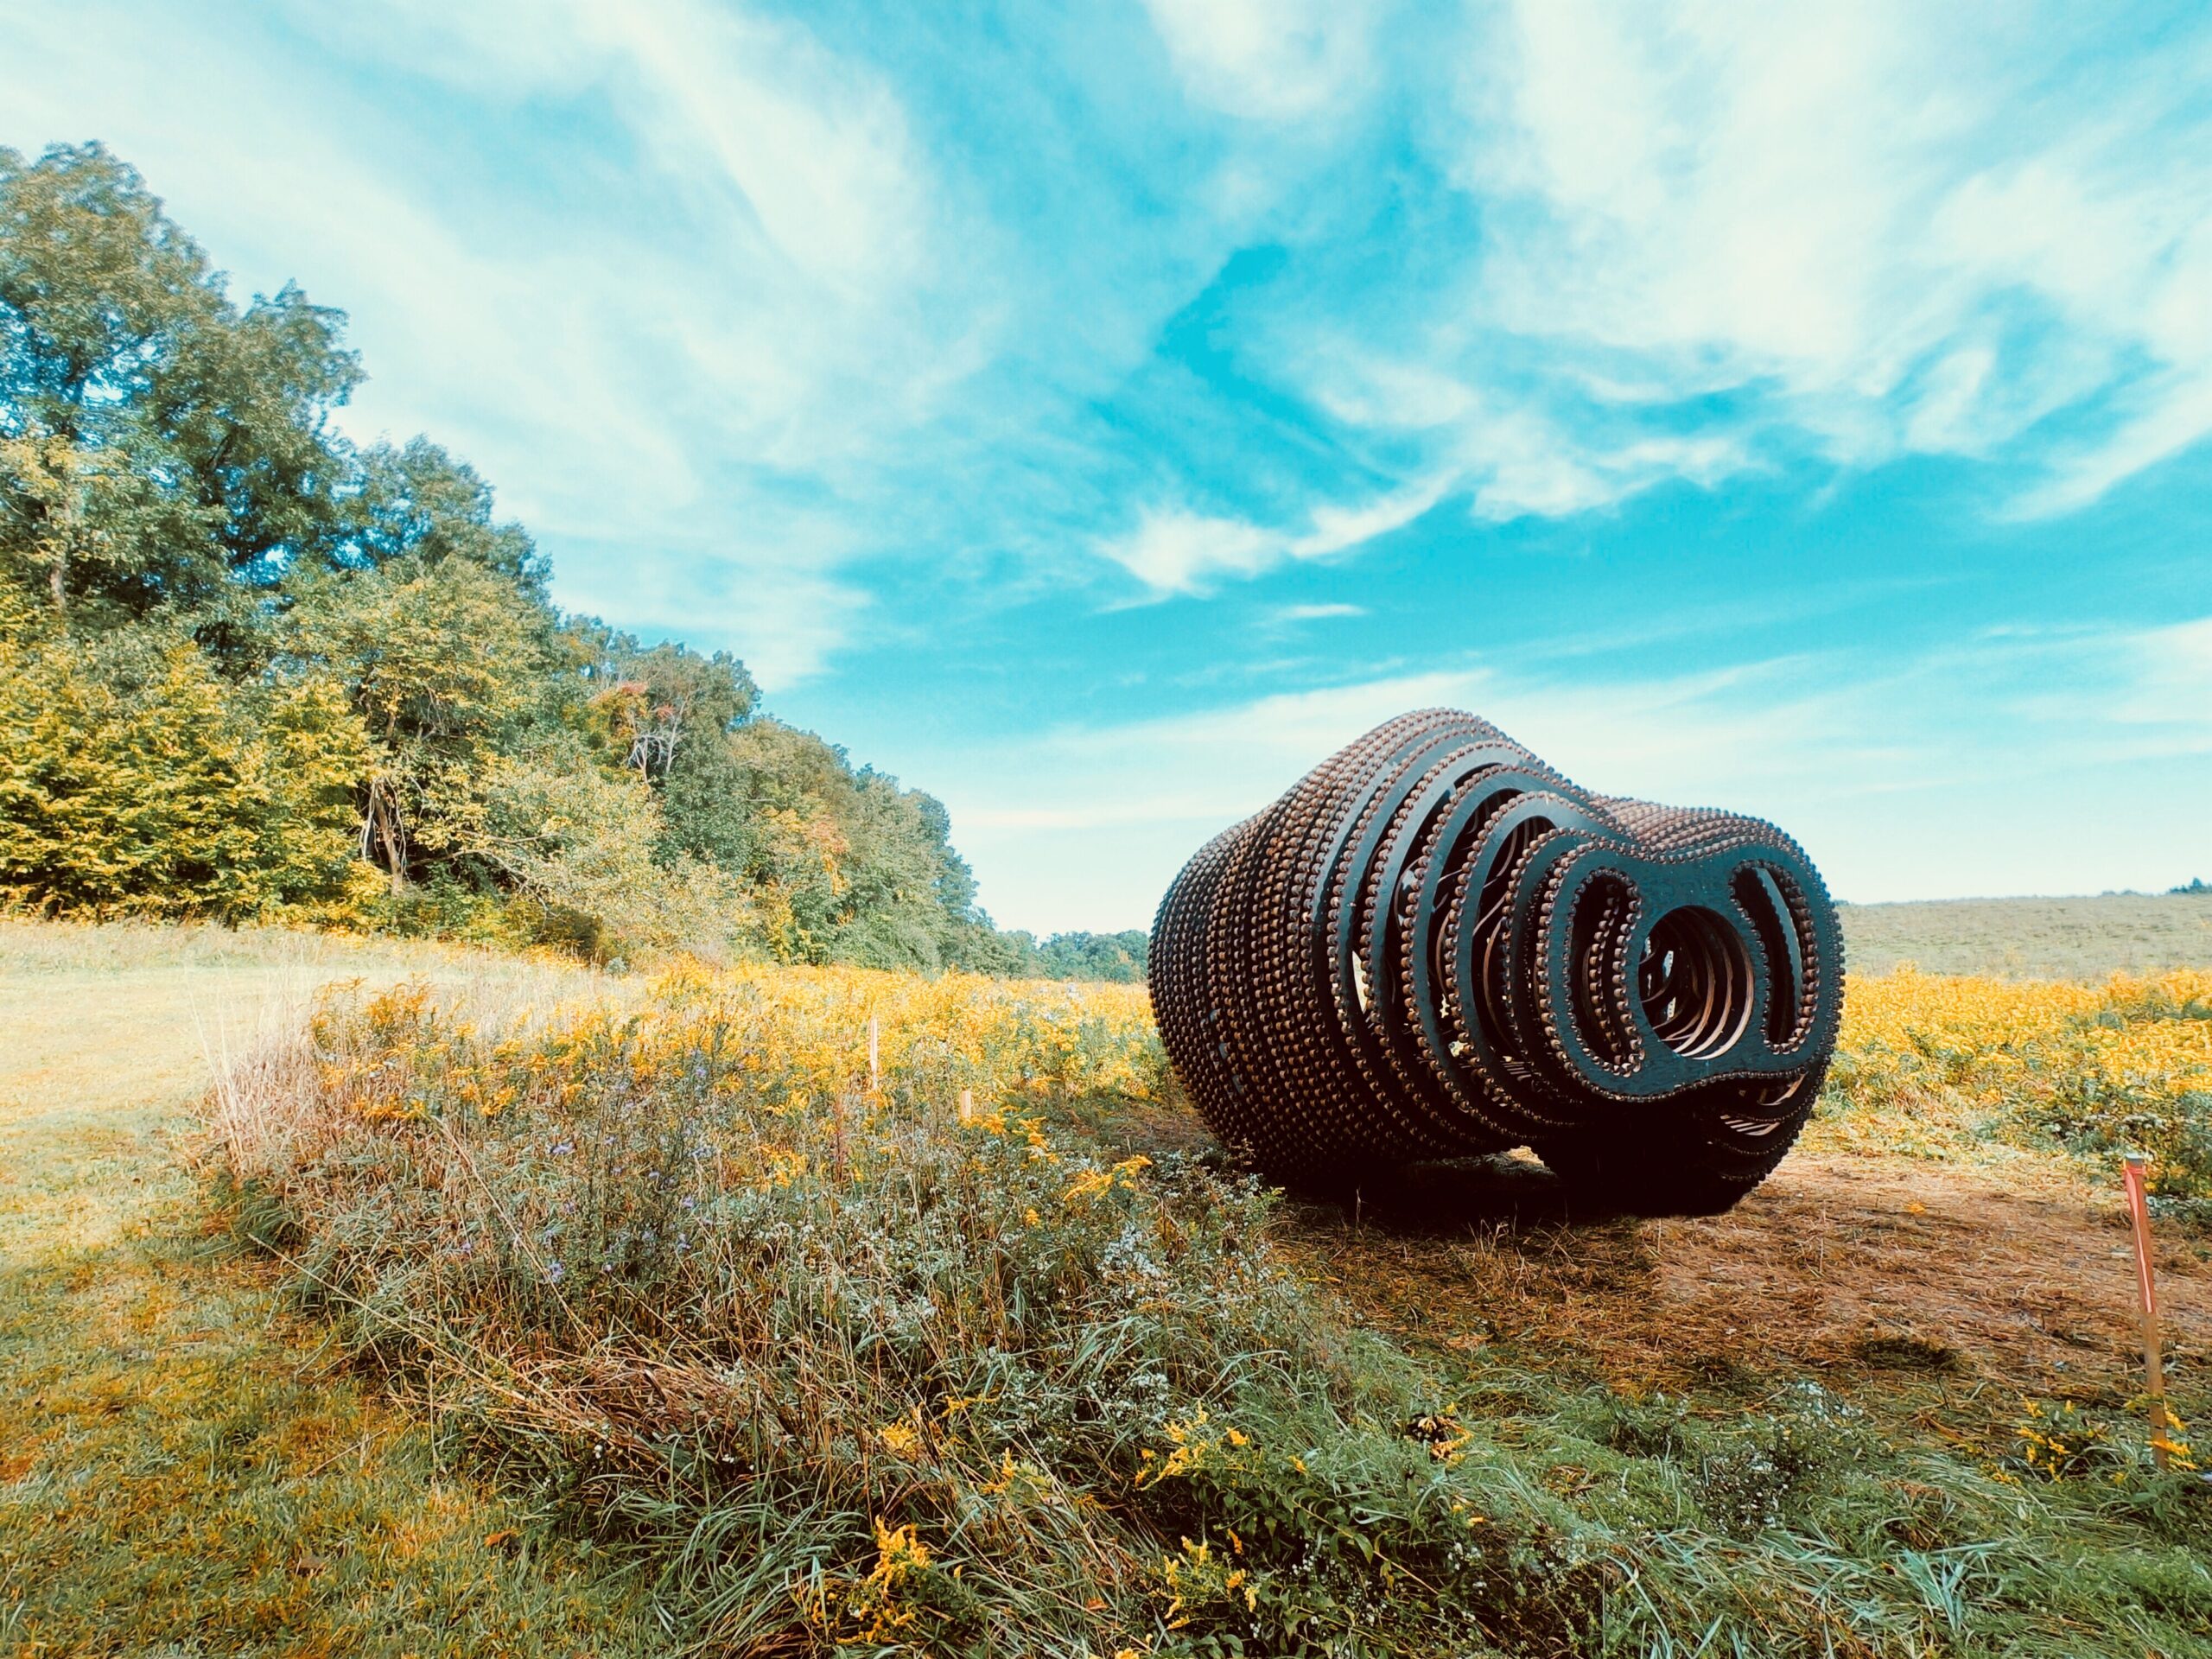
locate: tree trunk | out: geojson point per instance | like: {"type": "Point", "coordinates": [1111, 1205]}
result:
{"type": "Point", "coordinates": [382, 828]}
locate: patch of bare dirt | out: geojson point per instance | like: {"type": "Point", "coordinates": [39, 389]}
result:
{"type": "Point", "coordinates": [1837, 1262]}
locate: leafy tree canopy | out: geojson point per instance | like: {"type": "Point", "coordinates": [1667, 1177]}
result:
{"type": "Point", "coordinates": [1121, 956]}
{"type": "Point", "coordinates": [251, 670]}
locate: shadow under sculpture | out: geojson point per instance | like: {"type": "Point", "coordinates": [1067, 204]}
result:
{"type": "Point", "coordinates": [1435, 947]}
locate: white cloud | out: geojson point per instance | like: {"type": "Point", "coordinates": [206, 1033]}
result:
{"type": "Point", "coordinates": [1513, 457]}
{"type": "Point", "coordinates": [1317, 612]}
{"type": "Point", "coordinates": [1965, 772]}
{"type": "Point", "coordinates": [786, 619]}
{"type": "Point", "coordinates": [1174, 551]}
{"type": "Point", "coordinates": [2165, 693]}
{"type": "Point", "coordinates": [1716, 237]}
{"type": "Point", "coordinates": [1271, 60]}
{"type": "Point", "coordinates": [2175, 413]}
{"type": "Point", "coordinates": [1340, 529]}
{"type": "Point", "coordinates": [737, 301]}
{"type": "Point", "coordinates": [811, 150]}
{"type": "Point", "coordinates": [1525, 465]}
{"type": "Point", "coordinates": [1889, 225]}
{"type": "Point", "coordinates": [816, 148]}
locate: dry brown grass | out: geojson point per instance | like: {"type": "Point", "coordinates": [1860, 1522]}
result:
{"type": "Point", "coordinates": [1855, 1267]}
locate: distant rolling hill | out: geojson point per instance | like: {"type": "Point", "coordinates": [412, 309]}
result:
{"type": "Point", "coordinates": [2033, 938]}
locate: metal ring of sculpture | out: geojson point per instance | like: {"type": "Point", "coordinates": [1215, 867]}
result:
{"type": "Point", "coordinates": [1434, 946]}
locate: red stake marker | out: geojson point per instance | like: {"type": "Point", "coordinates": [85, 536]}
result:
{"type": "Point", "coordinates": [2138, 1211]}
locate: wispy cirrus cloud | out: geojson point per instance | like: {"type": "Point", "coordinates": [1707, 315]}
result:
{"type": "Point", "coordinates": [1713, 241]}
{"type": "Point", "coordinates": [679, 263]}
{"type": "Point", "coordinates": [670, 325]}
{"type": "Point", "coordinates": [1884, 228]}
{"type": "Point", "coordinates": [904, 348]}
{"type": "Point", "coordinates": [1276, 60]}
{"type": "Point", "coordinates": [1852, 754]}
{"type": "Point", "coordinates": [1175, 551]}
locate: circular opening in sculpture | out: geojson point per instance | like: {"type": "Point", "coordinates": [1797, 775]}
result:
{"type": "Point", "coordinates": [1695, 982]}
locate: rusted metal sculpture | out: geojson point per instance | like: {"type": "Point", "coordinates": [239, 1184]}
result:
{"type": "Point", "coordinates": [1434, 946]}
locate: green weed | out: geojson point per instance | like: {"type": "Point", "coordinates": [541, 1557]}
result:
{"type": "Point", "coordinates": [840, 1367]}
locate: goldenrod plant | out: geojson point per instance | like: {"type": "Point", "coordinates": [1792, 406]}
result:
{"type": "Point", "coordinates": [2101, 1069]}
{"type": "Point", "coordinates": [839, 1366]}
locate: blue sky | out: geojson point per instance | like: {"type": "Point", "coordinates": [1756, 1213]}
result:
{"type": "Point", "coordinates": [1095, 414]}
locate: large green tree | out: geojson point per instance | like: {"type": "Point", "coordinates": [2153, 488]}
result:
{"type": "Point", "coordinates": [248, 667]}
{"type": "Point", "coordinates": [162, 449]}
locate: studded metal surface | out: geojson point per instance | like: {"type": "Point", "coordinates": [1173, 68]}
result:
{"type": "Point", "coordinates": [1433, 945]}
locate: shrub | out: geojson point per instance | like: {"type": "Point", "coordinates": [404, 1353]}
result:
{"type": "Point", "coordinates": [684, 1266]}
{"type": "Point", "coordinates": [137, 782]}
{"type": "Point", "coordinates": [850, 1367]}
{"type": "Point", "coordinates": [2099, 1070]}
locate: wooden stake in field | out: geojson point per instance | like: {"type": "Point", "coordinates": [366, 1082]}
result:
{"type": "Point", "coordinates": [967, 1104]}
{"type": "Point", "coordinates": [874, 1051]}
{"type": "Point", "coordinates": [2138, 1211]}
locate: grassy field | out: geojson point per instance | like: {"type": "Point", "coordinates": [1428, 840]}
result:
{"type": "Point", "coordinates": [624, 1316]}
{"type": "Point", "coordinates": [2034, 938]}
{"type": "Point", "coordinates": [190, 1467]}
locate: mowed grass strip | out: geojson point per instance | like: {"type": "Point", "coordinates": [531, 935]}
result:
{"type": "Point", "coordinates": [187, 1468]}
{"type": "Point", "coordinates": [2081, 939]}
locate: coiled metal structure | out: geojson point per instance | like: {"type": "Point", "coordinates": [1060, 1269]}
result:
{"type": "Point", "coordinates": [1433, 945]}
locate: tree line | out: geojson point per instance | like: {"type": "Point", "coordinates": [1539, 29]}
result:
{"type": "Point", "coordinates": [255, 671]}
